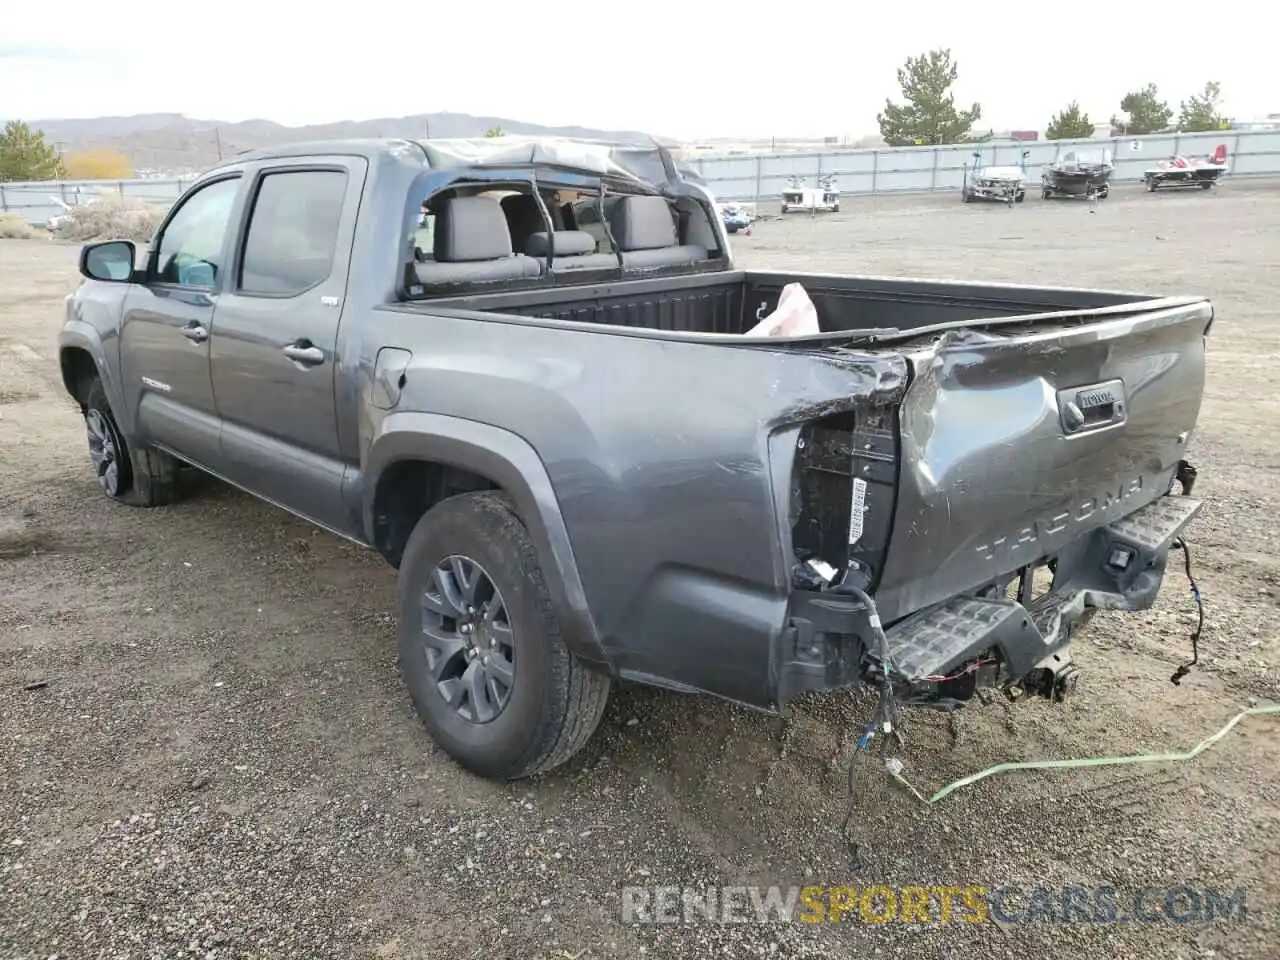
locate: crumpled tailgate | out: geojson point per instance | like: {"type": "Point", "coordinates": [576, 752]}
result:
{"type": "Point", "coordinates": [1013, 446]}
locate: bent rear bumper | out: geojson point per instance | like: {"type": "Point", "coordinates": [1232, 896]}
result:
{"type": "Point", "coordinates": [1116, 567]}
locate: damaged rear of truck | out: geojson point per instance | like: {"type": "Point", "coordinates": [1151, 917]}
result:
{"type": "Point", "coordinates": [1019, 477]}
{"type": "Point", "coordinates": [934, 491]}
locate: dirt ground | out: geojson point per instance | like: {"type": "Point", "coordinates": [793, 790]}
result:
{"type": "Point", "coordinates": [206, 749]}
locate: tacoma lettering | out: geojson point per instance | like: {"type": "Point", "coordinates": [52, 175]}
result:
{"type": "Point", "coordinates": [1044, 528]}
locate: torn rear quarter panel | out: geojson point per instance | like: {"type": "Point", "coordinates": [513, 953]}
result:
{"type": "Point", "coordinates": [674, 486]}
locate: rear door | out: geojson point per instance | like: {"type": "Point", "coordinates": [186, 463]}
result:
{"type": "Point", "coordinates": [274, 351]}
{"type": "Point", "coordinates": [168, 322]}
{"type": "Point", "coordinates": [1012, 446]}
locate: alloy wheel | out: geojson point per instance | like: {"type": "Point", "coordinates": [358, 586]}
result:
{"type": "Point", "coordinates": [468, 640]}
{"type": "Point", "coordinates": [104, 451]}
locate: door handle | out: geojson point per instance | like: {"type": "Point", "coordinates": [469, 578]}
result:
{"type": "Point", "coordinates": [195, 332]}
{"type": "Point", "coordinates": [303, 352]}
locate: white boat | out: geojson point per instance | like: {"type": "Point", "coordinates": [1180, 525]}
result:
{"type": "Point", "coordinates": [1005, 184]}
{"type": "Point", "coordinates": [799, 196]}
{"type": "Point", "coordinates": [1180, 171]}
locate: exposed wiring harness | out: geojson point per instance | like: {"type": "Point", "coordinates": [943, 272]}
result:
{"type": "Point", "coordinates": [887, 719]}
{"type": "Point", "coordinates": [963, 671]}
{"type": "Point", "coordinates": [1185, 668]}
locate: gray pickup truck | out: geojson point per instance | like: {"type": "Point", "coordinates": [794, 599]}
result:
{"type": "Point", "coordinates": [520, 371]}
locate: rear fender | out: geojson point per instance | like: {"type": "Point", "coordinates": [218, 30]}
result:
{"type": "Point", "coordinates": [510, 462]}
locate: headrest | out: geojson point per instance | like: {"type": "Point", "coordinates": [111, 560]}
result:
{"type": "Point", "coordinates": [566, 243]}
{"type": "Point", "coordinates": [642, 223]}
{"type": "Point", "coordinates": [469, 229]}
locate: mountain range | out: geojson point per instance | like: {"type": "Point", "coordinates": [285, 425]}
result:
{"type": "Point", "coordinates": [171, 142]}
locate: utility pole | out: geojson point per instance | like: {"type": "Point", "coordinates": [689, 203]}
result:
{"type": "Point", "coordinates": [217, 139]}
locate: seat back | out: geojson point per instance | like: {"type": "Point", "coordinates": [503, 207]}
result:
{"type": "Point", "coordinates": [645, 231]}
{"type": "Point", "coordinates": [569, 250]}
{"type": "Point", "coordinates": [472, 244]}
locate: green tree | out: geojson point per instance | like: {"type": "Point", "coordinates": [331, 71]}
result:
{"type": "Point", "coordinates": [1147, 113]}
{"type": "Point", "coordinates": [495, 132]}
{"type": "Point", "coordinates": [929, 115]}
{"type": "Point", "coordinates": [1201, 112]}
{"type": "Point", "coordinates": [25, 156]}
{"type": "Point", "coordinates": [1070, 124]}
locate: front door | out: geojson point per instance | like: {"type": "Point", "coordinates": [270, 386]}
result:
{"type": "Point", "coordinates": [168, 321]}
{"type": "Point", "coordinates": [274, 350]}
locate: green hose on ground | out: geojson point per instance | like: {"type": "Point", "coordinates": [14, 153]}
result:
{"type": "Point", "coordinates": [1092, 761]}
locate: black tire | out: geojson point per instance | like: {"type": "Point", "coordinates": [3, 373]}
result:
{"type": "Point", "coordinates": [554, 702]}
{"type": "Point", "coordinates": [139, 478]}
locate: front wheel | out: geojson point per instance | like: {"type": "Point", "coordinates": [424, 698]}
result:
{"type": "Point", "coordinates": [480, 646]}
{"type": "Point", "coordinates": [140, 478]}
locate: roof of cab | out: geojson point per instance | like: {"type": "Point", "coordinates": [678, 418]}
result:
{"type": "Point", "coordinates": [650, 164]}
{"type": "Point", "coordinates": [369, 148]}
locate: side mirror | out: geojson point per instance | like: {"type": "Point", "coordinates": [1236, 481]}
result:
{"type": "Point", "coordinates": [111, 261]}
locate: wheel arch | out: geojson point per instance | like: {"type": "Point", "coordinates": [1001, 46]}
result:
{"type": "Point", "coordinates": [82, 356]}
{"type": "Point", "coordinates": [418, 459]}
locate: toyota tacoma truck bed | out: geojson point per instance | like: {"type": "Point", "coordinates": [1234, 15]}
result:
{"type": "Point", "coordinates": [521, 371]}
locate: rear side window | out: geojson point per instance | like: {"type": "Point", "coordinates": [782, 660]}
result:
{"type": "Point", "coordinates": [293, 232]}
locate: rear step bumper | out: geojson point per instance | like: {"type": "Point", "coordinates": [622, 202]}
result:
{"type": "Point", "coordinates": [1116, 567]}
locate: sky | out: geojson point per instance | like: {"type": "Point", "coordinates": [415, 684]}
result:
{"type": "Point", "coordinates": [688, 70]}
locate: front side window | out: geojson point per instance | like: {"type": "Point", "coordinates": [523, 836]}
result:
{"type": "Point", "coordinates": [191, 245]}
{"type": "Point", "coordinates": [293, 232]}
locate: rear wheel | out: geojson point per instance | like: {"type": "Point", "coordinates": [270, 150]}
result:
{"type": "Point", "coordinates": [140, 478]}
{"type": "Point", "coordinates": [480, 645]}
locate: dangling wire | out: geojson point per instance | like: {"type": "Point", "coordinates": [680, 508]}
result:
{"type": "Point", "coordinates": [1185, 668]}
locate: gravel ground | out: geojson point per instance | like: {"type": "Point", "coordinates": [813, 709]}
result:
{"type": "Point", "coordinates": [206, 750]}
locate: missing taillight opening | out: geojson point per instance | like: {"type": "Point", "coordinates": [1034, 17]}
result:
{"type": "Point", "coordinates": [842, 490]}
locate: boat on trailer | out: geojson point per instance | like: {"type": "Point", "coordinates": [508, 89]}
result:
{"type": "Point", "coordinates": [1078, 174]}
{"type": "Point", "coordinates": [1004, 184]}
{"type": "Point", "coordinates": [825, 197]}
{"type": "Point", "coordinates": [1181, 171]}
